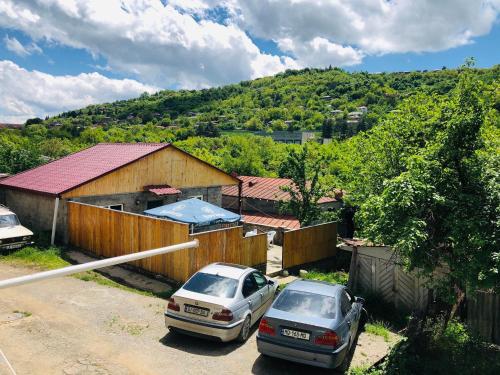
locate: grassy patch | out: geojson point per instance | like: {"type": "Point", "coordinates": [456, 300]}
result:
{"type": "Point", "coordinates": [52, 258]}
{"type": "Point", "coordinates": [23, 313]}
{"type": "Point", "coordinates": [337, 277]}
{"type": "Point", "coordinates": [379, 329]}
{"type": "Point", "coordinates": [31, 256]}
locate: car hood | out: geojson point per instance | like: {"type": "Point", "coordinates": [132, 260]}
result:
{"type": "Point", "coordinates": [14, 231]}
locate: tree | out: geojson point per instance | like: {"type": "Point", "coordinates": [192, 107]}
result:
{"type": "Point", "coordinates": [207, 130]}
{"type": "Point", "coordinates": [307, 168]}
{"type": "Point", "coordinates": [440, 209]}
{"type": "Point", "coordinates": [327, 129]}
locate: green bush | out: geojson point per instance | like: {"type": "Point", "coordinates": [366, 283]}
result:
{"type": "Point", "coordinates": [337, 277]}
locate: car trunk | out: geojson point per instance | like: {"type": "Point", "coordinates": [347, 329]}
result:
{"type": "Point", "coordinates": [199, 306]}
{"type": "Point", "coordinates": [300, 332]}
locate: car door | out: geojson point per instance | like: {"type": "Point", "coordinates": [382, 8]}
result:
{"type": "Point", "coordinates": [264, 292]}
{"type": "Point", "coordinates": [251, 294]}
{"type": "Point", "coordinates": [347, 312]}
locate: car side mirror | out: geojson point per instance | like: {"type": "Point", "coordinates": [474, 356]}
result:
{"type": "Point", "coordinates": [359, 300]}
{"type": "Point", "coordinates": [270, 282]}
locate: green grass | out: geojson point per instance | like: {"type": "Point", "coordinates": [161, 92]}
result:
{"type": "Point", "coordinates": [31, 256]}
{"type": "Point", "coordinates": [378, 328]}
{"type": "Point", "coordinates": [52, 258]}
{"type": "Point", "coordinates": [337, 277]}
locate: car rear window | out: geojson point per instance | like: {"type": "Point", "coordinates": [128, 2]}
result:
{"type": "Point", "coordinates": [8, 220]}
{"type": "Point", "coordinates": [212, 285]}
{"type": "Point", "coordinates": [307, 304]}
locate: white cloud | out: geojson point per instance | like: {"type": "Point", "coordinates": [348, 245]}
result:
{"type": "Point", "coordinates": [25, 94]}
{"type": "Point", "coordinates": [14, 45]}
{"type": "Point", "coordinates": [157, 43]}
{"type": "Point", "coordinates": [372, 26]}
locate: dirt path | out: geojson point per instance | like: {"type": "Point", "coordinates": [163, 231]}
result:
{"type": "Point", "coordinates": [69, 326]}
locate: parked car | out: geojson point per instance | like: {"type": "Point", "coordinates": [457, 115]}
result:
{"type": "Point", "coordinates": [311, 322]}
{"type": "Point", "coordinates": [12, 234]}
{"type": "Point", "coordinates": [221, 301]}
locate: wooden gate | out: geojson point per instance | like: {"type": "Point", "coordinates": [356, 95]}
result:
{"type": "Point", "coordinates": [309, 244]}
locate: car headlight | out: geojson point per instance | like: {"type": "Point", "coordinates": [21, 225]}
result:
{"type": "Point", "coordinates": [26, 238]}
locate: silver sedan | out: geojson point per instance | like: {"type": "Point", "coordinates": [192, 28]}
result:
{"type": "Point", "coordinates": [220, 301]}
{"type": "Point", "coordinates": [311, 322]}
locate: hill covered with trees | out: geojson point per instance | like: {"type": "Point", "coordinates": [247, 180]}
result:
{"type": "Point", "coordinates": [312, 99]}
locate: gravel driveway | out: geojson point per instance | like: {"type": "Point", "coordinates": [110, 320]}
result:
{"type": "Point", "coordinates": [69, 326]}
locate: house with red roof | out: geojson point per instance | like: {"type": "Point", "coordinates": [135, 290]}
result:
{"type": "Point", "coordinates": [260, 204]}
{"type": "Point", "coordinates": [131, 177]}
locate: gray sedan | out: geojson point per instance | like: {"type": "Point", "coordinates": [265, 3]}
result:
{"type": "Point", "coordinates": [220, 301]}
{"type": "Point", "coordinates": [311, 322]}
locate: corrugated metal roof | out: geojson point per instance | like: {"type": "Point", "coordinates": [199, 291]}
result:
{"type": "Point", "coordinates": [67, 173]}
{"type": "Point", "coordinates": [162, 190]}
{"type": "Point", "coordinates": [277, 221]}
{"type": "Point", "coordinates": [267, 188]}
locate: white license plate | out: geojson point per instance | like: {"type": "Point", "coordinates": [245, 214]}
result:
{"type": "Point", "coordinates": [15, 246]}
{"type": "Point", "coordinates": [195, 310]}
{"type": "Point", "coordinates": [295, 334]}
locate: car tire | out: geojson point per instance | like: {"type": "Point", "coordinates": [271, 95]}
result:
{"type": "Point", "coordinates": [245, 330]}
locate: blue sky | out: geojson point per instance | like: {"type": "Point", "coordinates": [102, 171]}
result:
{"type": "Point", "coordinates": [94, 51]}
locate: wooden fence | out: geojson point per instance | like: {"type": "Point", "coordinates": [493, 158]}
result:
{"type": "Point", "coordinates": [483, 315]}
{"type": "Point", "coordinates": [109, 233]}
{"type": "Point", "coordinates": [230, 246]}
{"type": "Point", "coordinates": [309, 244]}
{"type": "Point", "coordinates": [375, 269]}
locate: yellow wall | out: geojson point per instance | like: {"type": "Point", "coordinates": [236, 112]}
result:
{"type": "Point", "coordinates": [168, 166]}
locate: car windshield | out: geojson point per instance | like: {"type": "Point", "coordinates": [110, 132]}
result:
{"type": "Point", "coordinates": [306, 304]}
{"type": "Point", "coordinates": [8, 220]}
{"type": "Point", "coordinates": [212, 285]}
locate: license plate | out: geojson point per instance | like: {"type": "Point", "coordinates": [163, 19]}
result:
{"type": "Point", "coordinates": [295, 334]}
{"type": "Point", "coordinates": [15, 246]}
{"type": "Point", "coordinates": [196, 310]}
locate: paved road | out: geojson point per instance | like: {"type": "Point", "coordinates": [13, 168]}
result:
{"type": "Point", "coordinates": [69, 326]}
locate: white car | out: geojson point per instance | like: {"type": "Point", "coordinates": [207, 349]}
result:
{"type": "Point", "coordinates": [221, 301]}
{"type": "Point", "coordinates": [12, 234]}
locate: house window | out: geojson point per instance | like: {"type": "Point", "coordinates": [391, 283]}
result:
{"type": "Point", "coordinates": [200, 197]}
{"type": "Point", "coordinates": [154, 204]}
{"type": "Point", "coordinates": [116, 207]}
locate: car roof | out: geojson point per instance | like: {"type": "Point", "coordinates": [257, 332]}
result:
{"type": "Point", "coordinates": [315, 286]}
{"type": "Point", "coordinates": [233, 271]}
{"type": "Point", "coordinates": [5, 211]}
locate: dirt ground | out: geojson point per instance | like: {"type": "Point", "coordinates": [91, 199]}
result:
{"type": "Point", "coordinates": [69, 326]}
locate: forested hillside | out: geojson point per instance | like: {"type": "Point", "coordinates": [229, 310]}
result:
{"type": "Point", "coordinates": [305, 99]}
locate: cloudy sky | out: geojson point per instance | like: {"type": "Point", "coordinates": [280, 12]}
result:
{"type": "Point", "coordinates": [57, 55]}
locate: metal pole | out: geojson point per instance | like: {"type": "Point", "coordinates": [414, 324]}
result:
{"type": "Point", "coordinates": [95, 265]}
{"type": "Point", "coordinates": [54, 222]}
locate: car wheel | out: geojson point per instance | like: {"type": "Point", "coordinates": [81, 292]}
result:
{"type": "Point", "coordinates": [245, 330]}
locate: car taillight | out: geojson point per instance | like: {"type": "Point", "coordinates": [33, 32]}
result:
{"type": "Point", "coordinates": [265, 327]}
{"type": "Point", "coordinates": [225, 315]}
{"type": "Point", "coordinates": [172, 305]}
{"type": "Point", "coordinates": [329, 338]}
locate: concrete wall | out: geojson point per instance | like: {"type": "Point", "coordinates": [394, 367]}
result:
{"type": "Point", "coordinates": [36, 211]}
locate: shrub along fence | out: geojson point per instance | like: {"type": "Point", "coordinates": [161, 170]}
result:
{"type": "Point", "coordinates": [108, 233]}
{"type": "Point", "coordinates": [309, 244]}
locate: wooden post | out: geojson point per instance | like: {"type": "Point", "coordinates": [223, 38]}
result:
{"type": "Point", "coordinates": [353, 269]}
{"type": "Point", "coordinates": [54, 222]}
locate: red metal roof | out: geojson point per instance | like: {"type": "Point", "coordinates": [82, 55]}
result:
{"type": "Point", "coordinates": [277, 221]}
{"type": "Point", "coordinates": [62, 175]}
{"type": "Point", "coordinates": [162, 190]}
{"type": "Point", "coordinates": [264, 188]}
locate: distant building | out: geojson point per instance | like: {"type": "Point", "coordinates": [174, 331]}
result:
{"type": "Point", "coordinates": [363, 109]}
{"type": "Point", "coordinates": [285, 136]}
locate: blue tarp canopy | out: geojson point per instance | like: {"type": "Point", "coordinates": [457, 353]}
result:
{"type": "Point", "coordinates": [194, 211]}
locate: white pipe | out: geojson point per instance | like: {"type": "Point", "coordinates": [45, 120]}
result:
{"type": "Point", "coordinates": [54, 222]}
{"type": "Point", "coordinates": [95, 265]}
{"type": "Point", "coordinates": [7, 362]}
